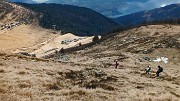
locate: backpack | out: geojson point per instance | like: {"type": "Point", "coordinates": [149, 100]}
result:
{"type": "Point", "coordinates": [161, 69]}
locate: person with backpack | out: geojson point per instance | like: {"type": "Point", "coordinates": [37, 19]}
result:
{"type": "Point", "coordinates": [148, 70]}
{"type": "Point", "coordinates": [160, 69]}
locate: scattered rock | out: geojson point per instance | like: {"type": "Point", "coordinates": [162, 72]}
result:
{"type": "Point", "coordinates": [147, 58]}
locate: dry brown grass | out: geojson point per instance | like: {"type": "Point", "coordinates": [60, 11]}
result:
{"type": "Point", "coordinates": [84, 78]}
{"type": "Point", "coordinates": [6, 92]}
{"type": "Point", "coordinates": [2, 71]}
{"type": "Point", "coordinates": [53, 86]}
{"type": "Point", "coordinates": [22, 73]}
{"type": "Point", "coordinates": [8, 97]}
{"type": "Point", "coordinates": [162, 98]}
{"type": "Point", "coordinates": [2, 64]}
{"type": "Point", "coordinates": [3, 90]}
{"type": "Point", "coordinates": [24, 85]}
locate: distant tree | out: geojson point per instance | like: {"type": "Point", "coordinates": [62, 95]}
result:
{"type": "Point", "coordinates": [80, 44]}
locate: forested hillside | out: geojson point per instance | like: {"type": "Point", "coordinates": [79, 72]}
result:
{"type": "Point", "coordinates": [67, 18]}
{"type": "Point", "coordinates": [167, 14]}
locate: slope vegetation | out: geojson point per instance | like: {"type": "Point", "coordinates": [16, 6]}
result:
{"type": "Point", "coordinates": [10, 12]}
{"type": "Point", "coordinates": [72, 19]}
{"type": "Point", "coordinates": [167, 14]}
{"type": "Point", "coordinates": [19, 32]}
{"type": "Point", "coordinates": [23, 37]}
{"type": "Point", "coordinates": [90, 74]}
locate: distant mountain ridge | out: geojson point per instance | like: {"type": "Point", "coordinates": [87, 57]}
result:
{"type": "Point", "coordinates": [109, 8]}
{"type": "Point", "coordinates": [112, 8]}
{"type": "Point", "coordinates": [73, 19]}
{"type": "Point", "coordinates": [24, 1]}
{"type": "Point", "coordinates": [158, 14]}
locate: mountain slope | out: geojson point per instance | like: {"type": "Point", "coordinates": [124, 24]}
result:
{"type": "Point", "coordinates": [20, 33]}
{"type": "Point", "coordinates": [113, 8]}
{"type": "Point", "coordinates": [109, 8]}
{"type": "Point", "coordinates": [10, 12]}
{"type": "Point", "coordinates": [24, 1]}
{"type": "Point", "coordinates": [135, 49]}
{"type": "Point", "coordinates": [159, 14]}
{"type": "Point", "coordinates": [90, 74]}
{"type": "Point", "coordinates": [77, 20]}
{"type": "Point", "coordinates": [106, 7]}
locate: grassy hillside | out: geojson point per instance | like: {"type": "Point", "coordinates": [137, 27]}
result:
{"type": "Point", "coordinates": [12, 13]}
{"type": "Point", "coordinates": [77, 20]}
{"type": "Point", "coordinates": [90, 74]}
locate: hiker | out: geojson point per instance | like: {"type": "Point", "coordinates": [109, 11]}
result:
{"type": "Point", "coordinates": [62, 51]}
{"type": "Point", "coordinates": [148, 70]}
{"type": "Point", "coordinates": [80, 44]}
{"type": "Point", "coordinates": [160, 69]}
{"type": "Point", "coordinates": [116, 64]}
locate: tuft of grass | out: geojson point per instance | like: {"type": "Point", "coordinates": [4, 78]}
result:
{"type": "Point", "coordinates": [22, 73]}
{"type": "Point", "coordinates": [79, 92]}
{"type": "Point", "coordinates": [53, 86]}
{"type": "Point", "coordinates": [50, 73]}
{"type": "Point", "coordinates": [156, 33]}
{"type": "Point", "coordinates": [75, 97]}
{"type": "Point", "coordinates": [2, 71]}
{"type": "Point", "coordinates": [2, 64]}
{"type": "Point", "coordinates": [24, 85]}
{"type": "Point", "coordinates": [28, 94]}
{"type": "Point", "coordinates": [3, 90]}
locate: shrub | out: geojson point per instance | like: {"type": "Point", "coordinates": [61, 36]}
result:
{"type": "Point", "coordinates": [95, 38]}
